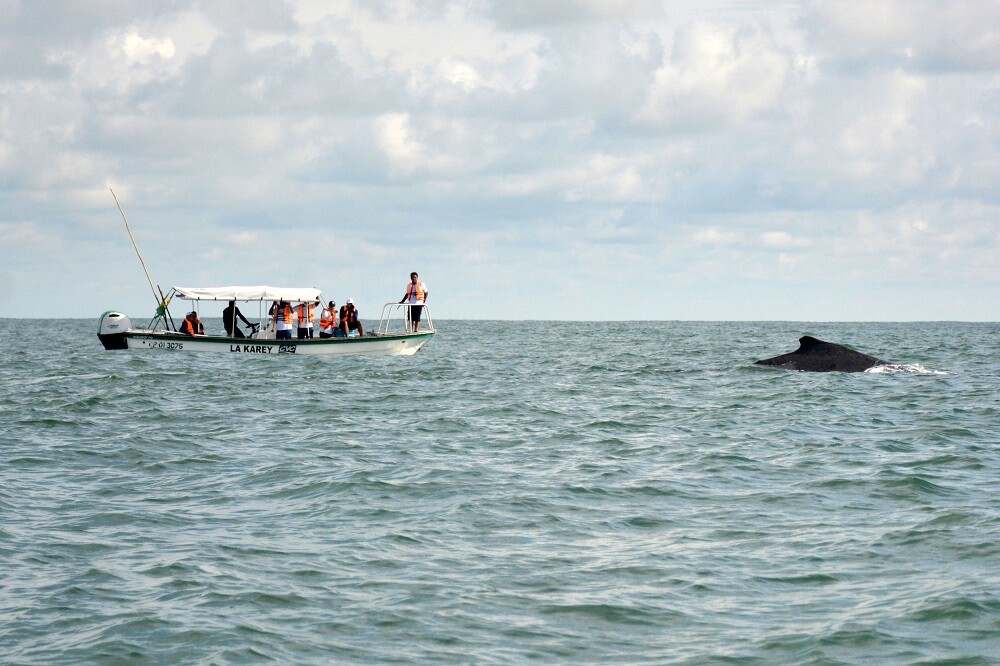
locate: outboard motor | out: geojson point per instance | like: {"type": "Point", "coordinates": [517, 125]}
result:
{"type": "Point", "coordinates": [111, 330]}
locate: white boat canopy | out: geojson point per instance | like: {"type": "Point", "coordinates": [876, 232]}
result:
{"type": "Point", "coordinates": [259, 293]}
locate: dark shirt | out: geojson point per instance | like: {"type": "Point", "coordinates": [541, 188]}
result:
{"type": "Point", "coordinates": [229, 315]}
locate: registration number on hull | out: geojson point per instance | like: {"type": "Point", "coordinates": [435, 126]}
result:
{"type": "Point", "coordinates": [157, 344]}
{"type": "Point", "coordinates": [233, 348]}
{"type": "Point", "coordinates": [262, 349]}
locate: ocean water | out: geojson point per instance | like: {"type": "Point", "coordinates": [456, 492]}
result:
{"type": "Point", "coordinates": [634, 493]}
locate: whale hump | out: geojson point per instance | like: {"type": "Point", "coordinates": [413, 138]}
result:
{"type": "Point", "coordinates": [807, 342]}
{"type": "Point", "coordinates": [815, 355]}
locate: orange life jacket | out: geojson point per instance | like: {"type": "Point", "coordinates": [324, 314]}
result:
{"type": "Point", "coordinates": [285, 314]}
{"type": "Point", "coordinates": [326, 319]}
{"type": "Point", "coordinates": [305, 314]}
{"type": "Point", "coordinates": [349, 316]}
{"type": "Point", "coordinates": [191, 328]}
{"type": "Point", "coordinates": [412, 289]}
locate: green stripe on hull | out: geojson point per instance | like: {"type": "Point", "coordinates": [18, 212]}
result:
{"type": "Point", "coordinates": [395, 344]}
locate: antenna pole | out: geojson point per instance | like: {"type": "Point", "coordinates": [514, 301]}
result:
{"type": "Point", "coordinates": [139, 254]}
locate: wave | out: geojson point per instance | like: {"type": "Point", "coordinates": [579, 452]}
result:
{"type": "Point", "coordinates": [901, 368]}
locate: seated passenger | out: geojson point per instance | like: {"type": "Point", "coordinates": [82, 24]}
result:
{"type": "Point", "coordinates": [349, 319]}
{"type": "Point", "coordinates": [192, 325]}
{"type": "Point", "coordinates": [328, 320]}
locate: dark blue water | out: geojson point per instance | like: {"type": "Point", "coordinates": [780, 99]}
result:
{"type": "Point", "coordinates": [548, 492]}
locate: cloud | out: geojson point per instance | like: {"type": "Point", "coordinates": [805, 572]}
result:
{"type": "Point", "coordinates": [607, 178]}
{"type": "Point", "coordinates": [782, 240]}
{"type": "Point", "coordinates": [926, 35]}
{"type": "Point", "coordinates": [396, 142]}
{"type": "Point", "coordinates": [142, 50]}
{"type": "Point", "coordinates": [715, 75]}
{"type": "Point", "coordinates": [22, 235]}
{"type": "Point", "coordinates": [709, 143]}
{"type": "Point", "coordinates": [521, 14]}
{"type": "Point", "coordinates": [714, 236]}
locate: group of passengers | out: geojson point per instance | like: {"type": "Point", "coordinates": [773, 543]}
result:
{"type": "Point", "coordinates": [302, 317]}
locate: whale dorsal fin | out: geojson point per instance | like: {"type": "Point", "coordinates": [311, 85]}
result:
{"type": "Point", "coordinates": [807, 342]}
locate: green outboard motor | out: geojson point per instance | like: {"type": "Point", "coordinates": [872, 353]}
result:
{"type": "Point", "coordinates": [111, 330]}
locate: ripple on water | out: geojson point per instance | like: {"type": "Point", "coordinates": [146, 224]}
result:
{"type": "Point", "coordinates": [631, 493]}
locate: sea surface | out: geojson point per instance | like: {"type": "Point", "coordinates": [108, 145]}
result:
{"type": "Point", "coordinates": [546, 492]}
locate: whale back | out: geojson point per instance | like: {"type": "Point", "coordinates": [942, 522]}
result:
{"type": "Point", "coordinates": [815, 355]}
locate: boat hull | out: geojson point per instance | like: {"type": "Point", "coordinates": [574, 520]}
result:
{"type": "Point", "coordinates": [403, 344]}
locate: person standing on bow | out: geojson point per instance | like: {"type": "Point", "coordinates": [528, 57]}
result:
{"type": "Point", "coordinates": [349, 320]}
{"type": "Point", "coordinates": [307, 317]}
{"type": "Point", "coordinates": [192, 325]}
{"type": "Point", "coordinates": [416, 295]}
{"type": "Point", "coordinates": [282, 320]}
{"type": "Point", "coordinates": [328, 320]}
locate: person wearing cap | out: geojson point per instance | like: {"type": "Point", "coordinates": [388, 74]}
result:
{"type": "Point", "coordinates": [416, 295]}
{"type": "Point", "coordinates": [192, 325]}
{"type": "Point", "coordinates": [328, 320]}
{"type": "Point", "coordinates": [349, 320]}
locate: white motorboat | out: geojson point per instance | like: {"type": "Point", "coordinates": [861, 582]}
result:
{"type": "Point", "coordinates": [392, 337]}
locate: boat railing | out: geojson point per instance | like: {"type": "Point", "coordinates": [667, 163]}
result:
{"type": "Point", "coordinates": [396, 319]}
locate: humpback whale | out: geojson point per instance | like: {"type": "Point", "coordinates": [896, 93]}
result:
{"type": "Point", "coordinates": [817, 356]}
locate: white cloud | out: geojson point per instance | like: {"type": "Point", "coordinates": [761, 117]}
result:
{"type": "Point", "coordinates": [606, 178]}
{"type": "Point", "coordinates": [714, 236]}
{"type": "Point", "coordinates": [247, 238]}
{"type": "Point", "coordinates": [142, 50]}
{"type": "Point", "coordinates": [715, 74]}
{"type": "Point", "coordinates": [925, 34]}
{"type": "Point", "coordinates": [887, 124]}
{"type": "Point", "coordinates": [954, 242]}
{"type": "Point", "coordinates": [461, 74]}
{"type": "Point", "coordinates": [695, 143]}
{"type": "Point", "coordinates": [22, 235]}
{"type": "Point", "coordinates": [529, 13]}
{"type": "Point", "coordinates": [396, 141]}
{"type": "Point", "coordinates": [782, 240]}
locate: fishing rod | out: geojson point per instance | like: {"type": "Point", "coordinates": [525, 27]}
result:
{"type": "Point", "coordinates": [161, 302]}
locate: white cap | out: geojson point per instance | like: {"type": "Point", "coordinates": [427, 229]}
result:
{"type": "Point", "coordinates": [350, 301]}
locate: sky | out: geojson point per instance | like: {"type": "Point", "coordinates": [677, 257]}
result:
{"type": "Point", "coordinates": [819, 160]}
